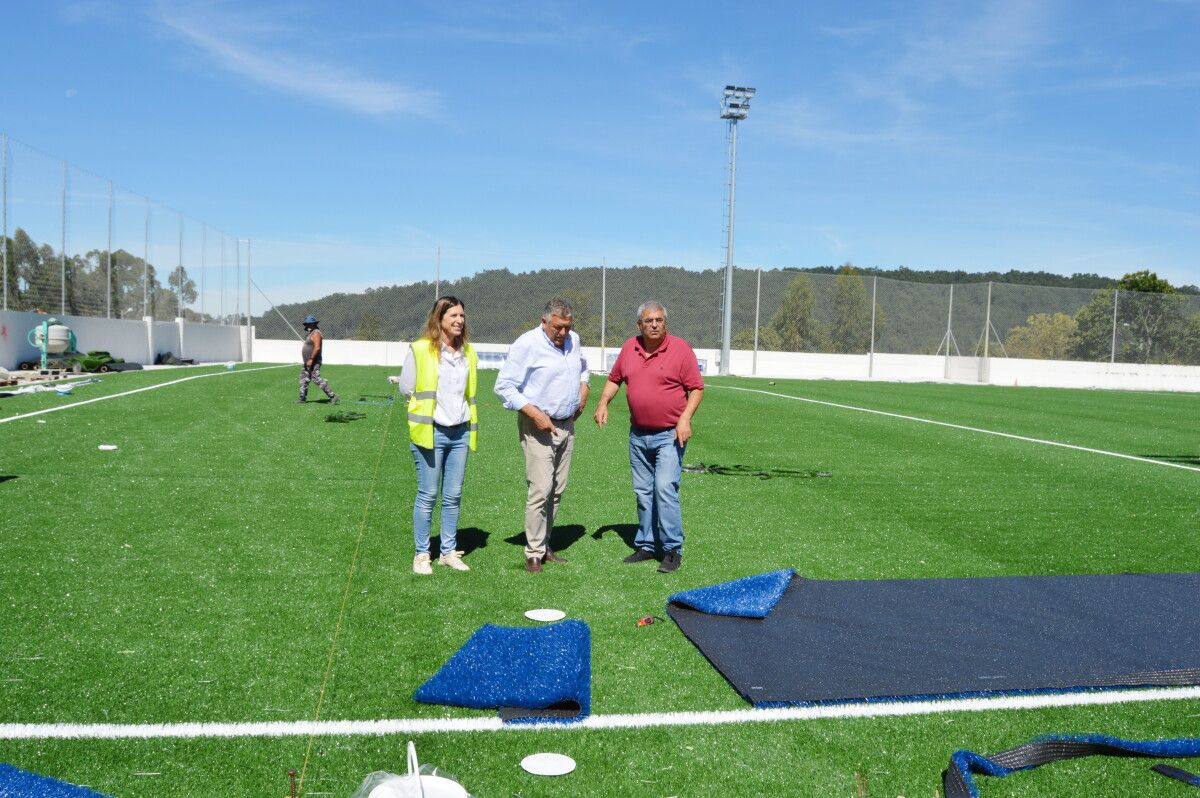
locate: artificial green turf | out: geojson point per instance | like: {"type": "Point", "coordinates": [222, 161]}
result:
{"type": "Point", "coordinates": [198, 574]}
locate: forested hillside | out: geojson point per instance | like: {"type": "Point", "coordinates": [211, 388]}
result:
{"type": "Point", "coordinates": [823, 310]}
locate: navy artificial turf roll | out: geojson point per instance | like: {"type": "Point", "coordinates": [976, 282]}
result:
{"type": "Point", "coordinates": [925, 638]}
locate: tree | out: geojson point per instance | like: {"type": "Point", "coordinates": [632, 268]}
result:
{"type": "Point", "coordinates": [1047, 337]}
{"type": "Point", "coordinates": [369, 329]}
{"type": "Point", "coordinates": [768, 339]}
{"type": "Point", "coordinates": [1150, 315]}
{"type": "Point", "coordinates": [183, 286]}
{"type": "Point", "coordinates": [1186, 344]}
{"type": "Point", "coordinates": [37, 272]}
{"type": "Point", "coordinates": [1093, 329]}
{"type": "Point", "coordinates": [1147, 316]}
{"type": "Point", "coordinates": [1145, 281]}
{"type": "Point", "coordinates": [798, 328]}
{"type": "Point", "coordinates": [128, 293]}
{"type": "Point", "coordinates": [851, 328]}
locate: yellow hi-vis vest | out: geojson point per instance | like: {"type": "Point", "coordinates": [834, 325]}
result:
{"type": "Point", "coordinates": [424, 398]}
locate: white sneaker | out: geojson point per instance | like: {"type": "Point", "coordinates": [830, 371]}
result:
{"type": "Point", "coordinates": [421, 564]}
{"type": "Point", "coordinates": [454, 560]}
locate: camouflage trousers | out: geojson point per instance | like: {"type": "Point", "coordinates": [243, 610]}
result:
{"type": "Point", "coordinates": [313, 374]}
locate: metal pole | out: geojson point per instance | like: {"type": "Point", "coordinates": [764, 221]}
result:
{"type": "Point", "coordinates": [62, 255]}
{"type": "Point", "coordinates": [727, 315]}
{"type": "Point", "coordinates": [146, 265]}
{"type": "Point", "coordinates": [221, 303]}
{"type": "Point", "coordinates": [249, 331]}
{"type": "Point", "coordinates": [237, 279]}
{"type": "Point", "coordinates": [179, 273]}
{"type": "Point", "coordinates": [437, 285]}
{"type": "Point", "coordinates": [203, 266]}
{"type": "Point", "coordinates": [871, 356]}
{"type": "Point", "coordinates": [949, 331]}
{"type": "Point", "coordinates": [757, 300]}
{"type": "Point", "coordinates": [108, 312]}
{"type": "Point", "coordinates": [603, 310]}
{"type": "Point", "coordinates": [987, 322]}
{"type": "Point", "coordinates": [1112, 357]}
{"type": "Point", "coordinates": [4, 203]}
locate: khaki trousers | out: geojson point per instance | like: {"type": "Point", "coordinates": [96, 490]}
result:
{"type": "Point", "coordinates": [547, 463]}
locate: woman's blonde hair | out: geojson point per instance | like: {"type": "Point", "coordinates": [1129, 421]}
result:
{"type": "Point", "coordinates": [433, 324]}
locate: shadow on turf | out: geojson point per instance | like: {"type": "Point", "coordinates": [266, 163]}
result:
{"type": "Point", "coordinates": [561, 537]}
{"type": "Point", "coordinates": [467, 540]}
{"type": "Point", "coordinates": [1182, 459]}
{"type": "Point", "coordinates": [626, 532]}
{"type": "Point", "coordinates": [7, 477]}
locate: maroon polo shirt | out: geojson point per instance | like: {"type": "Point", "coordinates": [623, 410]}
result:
{"type": "Point", "coordinates": [656, 387]}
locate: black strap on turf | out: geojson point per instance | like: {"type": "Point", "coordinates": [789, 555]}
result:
{"type": "Point", "coordinates": [957, 781]}
{"type": "Point", "coordinates": [1180, 774]}
{"type": "Point", "coordinates": [563, 710]}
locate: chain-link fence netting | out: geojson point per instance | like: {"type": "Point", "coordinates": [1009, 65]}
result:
{"type": "Point", "coordinates": [785, 310]}
{"type": "Point", "coordinates": [73, 243]}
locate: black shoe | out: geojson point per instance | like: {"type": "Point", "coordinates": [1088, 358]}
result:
{"type": "Point", "coordinates": [670, 562]}
{"type": "Point", "coordinates": [333, 400]}
{"type": "Point", "coordinates": [640, 555]}
{"type": "Point", "coordinates": [552, 557]}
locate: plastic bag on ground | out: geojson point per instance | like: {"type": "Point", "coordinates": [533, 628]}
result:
{"type": "Point", "coordinates": [421, 781]}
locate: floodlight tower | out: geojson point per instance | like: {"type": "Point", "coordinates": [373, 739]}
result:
{"type": "Point", "coordinates": [735, 106]}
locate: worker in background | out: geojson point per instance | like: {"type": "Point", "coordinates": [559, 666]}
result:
{"type": "Point", "coordinates": [311, 368]}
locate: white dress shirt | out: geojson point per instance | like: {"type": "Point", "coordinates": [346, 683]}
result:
{"type": "Point", "coordinates": [537, 372]}
{"type": "Point", "coordinates": [451, 408]}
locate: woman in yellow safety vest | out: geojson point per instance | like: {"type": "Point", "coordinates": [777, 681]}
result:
{"type": "Point", "coordinates": [438, 378]}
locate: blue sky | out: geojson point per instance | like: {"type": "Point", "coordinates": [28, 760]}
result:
{"type": "Point", "coordinates": [350, 140]}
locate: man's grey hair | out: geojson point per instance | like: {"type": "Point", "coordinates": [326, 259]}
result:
{"type": "Point", "coordinates": [650, 304]}
{"type": "Point", "coordinates": [557, 307]}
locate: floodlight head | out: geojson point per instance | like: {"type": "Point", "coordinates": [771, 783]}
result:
{"type": "Point", "coordinates": [735, 102]}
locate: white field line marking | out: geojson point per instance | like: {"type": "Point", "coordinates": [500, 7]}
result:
{"type": "Point", "coordinates": [136, 390]}
{"type": "Point", "coordinates": [968, 429]}
{"type": "Point", "coordinates": [115, 731]}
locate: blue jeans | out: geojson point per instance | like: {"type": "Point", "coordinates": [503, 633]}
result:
{"type": "Point", "coordinates": [656, 460]}
{"type": "Point", "coordinates": [442, 467]}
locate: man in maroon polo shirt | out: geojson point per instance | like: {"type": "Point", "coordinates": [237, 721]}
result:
{"type": "Point", "coordinates": [663, 387]}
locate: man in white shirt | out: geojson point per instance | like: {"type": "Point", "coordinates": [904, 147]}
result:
{"type": "Point", "coordinates": [545, 379]}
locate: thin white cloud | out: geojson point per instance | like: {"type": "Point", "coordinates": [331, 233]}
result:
{"type": "Point", "coordinates": [531, 24]}
{"type": "Point", "coordinates": [1121, 82]}
{"type": "Point", "coordinates": [85, 11]}
{"type": "Point", "coordinates": [980, 51]}
{"type": "Point", "coordinates": [856, 33]}
{"type": "Point", "coordinates": [243, 47]}
{"type": "Point", "coordinates": [899, 99]}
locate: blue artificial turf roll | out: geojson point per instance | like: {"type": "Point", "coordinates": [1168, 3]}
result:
{"type": "Point", "coordinates": [17, 783]}
{"type": "Point", "coordinates": [752, 597]}
{"type": "Point", "coordinates": [531, 675]}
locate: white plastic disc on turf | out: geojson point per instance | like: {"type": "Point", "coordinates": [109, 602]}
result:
{"type": "Point", "coordinates": [545, 764]}
{"type": "Point", "coordinates": [107, 447]}
{"type": "Point", "coordinates": [545, 614]}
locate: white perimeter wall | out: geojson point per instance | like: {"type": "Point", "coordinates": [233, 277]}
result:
{"type": "Point", "coordinates": [134, 341]}
{"type": "Point", "coordinates": [811, 366]}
